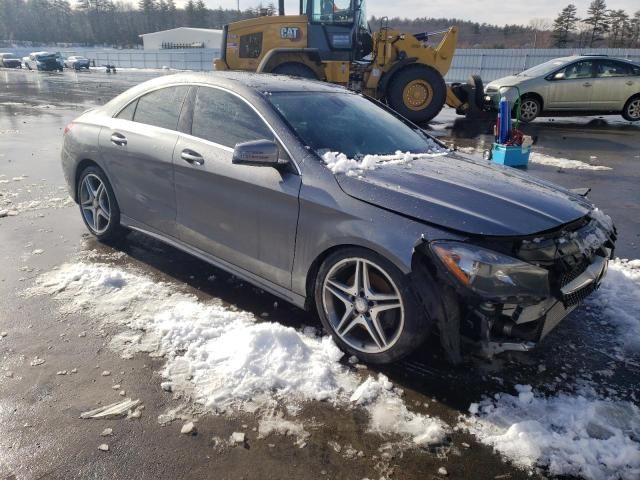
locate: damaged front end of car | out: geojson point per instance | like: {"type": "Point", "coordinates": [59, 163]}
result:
{"type": "Point", "coordinates": [499, 294]}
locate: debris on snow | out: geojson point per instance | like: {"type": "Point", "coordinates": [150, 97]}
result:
{"type": "Point", "coordinates": [335, 445]}
{"type": "Point", "coordinates": [37, 361]}
{"type": "Point", "coordinates": [443, 471]}
{"type": "Point", "coordinates": [122, 393]}
{"type": "Point", "coordinates": [116, 386]}
{"type": "Point", "coordinates": [112, 410]}
{"type": "Point", "coordinates": [107, 432]}
{"type": "Point", "coordinates": [37, 251]}
{"type": "Point", "coordinates": [189, 428]}
{"type": "Point", "coordinates": [82, 334]}
{"type": "Point", "coordinates": [61, 372]}
{"type": "Point", "coordinates": [389, 414]}
{"type": "Point", "coordinates": [104, 447]}
{"type": "Point", "coordinates": [106, 373]}
{"type": "Point", "coordinates": [237, 438]}
{"type": "Point", "coordinates": [166, 386]}
{"type": "Point", "coordinates": [275, 423]}
{"type": "Point", "coordinates": [3, 334]}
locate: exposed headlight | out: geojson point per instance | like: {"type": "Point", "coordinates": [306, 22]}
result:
{"type": "Point", "coordinates": [490, 274]}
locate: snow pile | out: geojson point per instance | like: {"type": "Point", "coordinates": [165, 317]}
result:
{"type": "Point", "coordinates": [389, 414]}
{"type": "Point", "coordinates": [619, 299]}
{"type": "Point", "coordinates": [548, 160]}
{"type": "Point", "coordinates": [223, 358]}
{"type": "Point", "coordinates": [577, 435]}
{"type": "Point", "coordinates": [340, 163]}
{"type": "Point", "coordinates": [223, 353]}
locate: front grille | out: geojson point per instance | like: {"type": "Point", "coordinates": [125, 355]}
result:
{"type": "Point", "coordinates": [577, 297]}
{"type": "Point", "coordinates": [574, 273]}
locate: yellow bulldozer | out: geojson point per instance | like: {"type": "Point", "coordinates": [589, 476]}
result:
{"type": "Point", "coordinates": [330, 40]}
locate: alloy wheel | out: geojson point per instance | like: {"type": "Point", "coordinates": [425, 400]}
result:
{"type": "Point", "coordinates": [633, 110]}
{"type": "Point", "coordinates": [528, 110]}
{"type": "Point", "coordinates": [94, 202]}
{"type": "Point", "coordinates": [363, 305]}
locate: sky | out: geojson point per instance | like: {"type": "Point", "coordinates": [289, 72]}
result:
{"type": "Point", "coordinates": [496, 12]}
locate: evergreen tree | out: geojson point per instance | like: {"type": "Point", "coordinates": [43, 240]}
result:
{"type": "Point", "coordinates": [619, 28]}
{"type": "Point", "coordinates": [598, 20]}
{"type": "Point", "coordinates": [564, 25]}
{"type": "Point", "coordinates": [200, 13]}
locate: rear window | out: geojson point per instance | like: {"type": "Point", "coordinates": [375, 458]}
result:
{"type": "Point", "coordinates": [161, 108]}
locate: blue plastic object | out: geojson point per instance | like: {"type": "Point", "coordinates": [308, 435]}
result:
{"type": "Point", "coordinates": [511, 156]}
{"type": "Point", "coordinates": [505, 121]}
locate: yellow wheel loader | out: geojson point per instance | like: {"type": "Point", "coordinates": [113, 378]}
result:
{"type": "Point", "coordinates": [331, 41]}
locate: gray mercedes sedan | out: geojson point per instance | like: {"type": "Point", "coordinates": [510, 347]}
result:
{"type": "Point", "coordinates": [333, 202]}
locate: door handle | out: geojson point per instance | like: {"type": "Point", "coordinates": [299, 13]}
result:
{"type": "Point", "coordinates": [192, 157]}
{"type": "Point", "coordinates": [586, 84]}
{"type": "Point", "coordinates": [118, 139]}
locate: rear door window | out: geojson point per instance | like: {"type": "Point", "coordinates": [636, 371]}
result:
{"type": "Point", "coordinates": [161, 108]}
{"type": "Point", "coordinates": [225, 119]}
{"type": "Point", "coordinates": [611, 68]}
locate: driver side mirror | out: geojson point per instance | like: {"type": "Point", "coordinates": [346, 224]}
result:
{"type": "Point", "coordinates": [258, 153]}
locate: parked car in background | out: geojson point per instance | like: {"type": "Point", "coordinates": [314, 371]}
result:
{"type": "Point", "coordinates": [9, 60]}
{"type": "Point", "coordinates": [582, 85]}
{"type": "Point", "coordinates": [77, 62]}
{"type": "Point", "coordinates": [272, 178]}
{"type": "Point", "coordinates": [60, 59]}
{"type": "Point", "coordinates": [44, 61]}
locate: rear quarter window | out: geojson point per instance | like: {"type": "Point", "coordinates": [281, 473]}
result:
{"type": "Point", "coordinates": [161, 108]}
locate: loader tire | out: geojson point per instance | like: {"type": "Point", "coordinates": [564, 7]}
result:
{"type": "Point", "coordinates": [417, 93]}
{"type": "Point", "coordinates": [295, 70]}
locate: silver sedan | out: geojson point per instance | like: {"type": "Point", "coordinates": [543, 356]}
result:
{"type": "Point", "coordinates": [583, 85]}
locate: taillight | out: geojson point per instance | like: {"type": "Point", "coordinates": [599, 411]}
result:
{"type": "Point", "coordinates": [67, 128]}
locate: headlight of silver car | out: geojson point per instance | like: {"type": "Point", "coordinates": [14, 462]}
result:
{"type": "Point", "coordinates": [490, 274]}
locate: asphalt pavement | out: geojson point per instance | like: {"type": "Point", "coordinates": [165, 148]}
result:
{"type": "Point", "coordinates": [41, 434]}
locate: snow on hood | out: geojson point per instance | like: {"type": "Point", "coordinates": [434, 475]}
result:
{"type": "Point", "coordinates": [579, 435]}
{"type": "Point", "coordinates": [340, 163]}
{"type": "Point", "coordinates": [224, 358]}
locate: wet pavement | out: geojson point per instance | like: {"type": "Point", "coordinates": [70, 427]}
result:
{"type": "Point", "coordinates": [41, 434]}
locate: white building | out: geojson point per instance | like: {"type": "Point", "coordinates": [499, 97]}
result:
{"type": "Point", "coordinates": [182, 37]}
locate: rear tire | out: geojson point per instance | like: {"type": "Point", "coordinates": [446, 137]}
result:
{"type": "Point", "coordinates": [631, 110]}
{"type": "Point", "coordinates": [98, 205]}
{"type": "Point", "coordinates": [295, 70]}
{"type": "Point", "coordinates": [374, 314]}
{"type": "Point", "coordinates": [417, 93]}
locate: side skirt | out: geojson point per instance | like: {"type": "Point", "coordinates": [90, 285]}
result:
{"type": "Point", "coordinates": [278, 291]}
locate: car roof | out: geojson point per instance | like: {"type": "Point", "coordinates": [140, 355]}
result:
{"type": "Point", "coordinates": [258, 82]}
{"type": "Point", "coordinates": [595, 57]}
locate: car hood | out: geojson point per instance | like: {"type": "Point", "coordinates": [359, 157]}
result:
{"type": "Point", "coordinates": [467, 195]}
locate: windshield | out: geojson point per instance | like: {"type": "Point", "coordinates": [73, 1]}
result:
{"type": "Point", "coordinates": [45, 56]}
{"type": "Point", "coordinates": [347, 123]}
{"type": "Point", "coordinates": [543, 68]}
{"type": "Point", "coordinates": [8, 56]}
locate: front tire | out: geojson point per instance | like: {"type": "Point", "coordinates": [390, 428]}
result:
{"type": "Point", "coordinates": [417, 93]}
{"type": "Point", "coordinates": [369, 306]}
{"type": "Point", "coordinates": [98, 205]}
{"type": "Point", "coordinates": [631, 110]}
{"type": "Point", "coordinates": [530, 109]}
